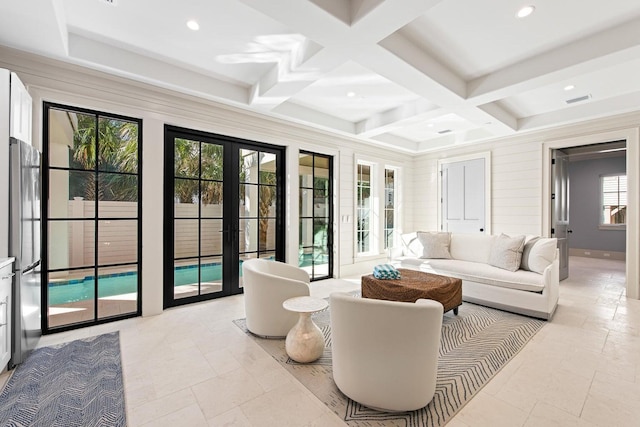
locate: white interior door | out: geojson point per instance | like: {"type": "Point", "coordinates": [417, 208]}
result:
{"type": "Point", "coordinates": [463, 196]}
{"type": "Point", "coordinates": [560, 207]}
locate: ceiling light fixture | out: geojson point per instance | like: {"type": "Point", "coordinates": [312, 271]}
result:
{"type": "Point", "coordinates": [525, 11]}
{"type": "Point", "coordinates": [193, 25]}
{"type": "Point", "coordinates": [351, 94]}
{"type": "Point", "coordinates": [569, 87]}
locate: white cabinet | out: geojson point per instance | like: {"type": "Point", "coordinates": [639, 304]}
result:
{"type": "Point", "coordinates": [6, 280]}
{"type": "Point", "coordinates": [21, 103]}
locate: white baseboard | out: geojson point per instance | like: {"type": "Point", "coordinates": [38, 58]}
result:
{"type": "Point", "coordinates": [594, 253]}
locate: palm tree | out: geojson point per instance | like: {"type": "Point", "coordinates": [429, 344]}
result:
{"type": "Point", "coordinates": [266, 196]}
{"type": "Point", "coordinates": [117, 151]}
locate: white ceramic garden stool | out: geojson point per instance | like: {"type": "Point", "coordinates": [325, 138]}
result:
{"type": "Point", "coordinates": [305, 342]}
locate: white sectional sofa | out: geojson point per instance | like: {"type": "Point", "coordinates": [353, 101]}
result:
{"type": "Point", "coordinates": [517, 274]}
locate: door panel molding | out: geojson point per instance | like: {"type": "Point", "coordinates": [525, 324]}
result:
{"type": "Point", "coordinates": [486, 156]}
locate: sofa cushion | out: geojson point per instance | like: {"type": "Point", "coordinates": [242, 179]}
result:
{"type": "Point", "coordinates": [484, 273]}
{"type": "Point", "coordinates": [435, 244]}
{"type": "Point", "coordinates": [538, 254]}
{"type": "Point", "coordinates": [411, 246]}
{"type": "Point", "coordinates": [506, 252]}
{"type": "Point", "coordinates": [471, 247]}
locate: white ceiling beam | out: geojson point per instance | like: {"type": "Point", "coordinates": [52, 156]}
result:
{"type": "Point", "coordinates": [614, 46]}
{"type": "Point", "coordinates": [132, 65]}
{"type": "Point", "coordinates": [285, 80]}
{"type": "Point", "coordinates": [494, 114]}
{"type": "Point", "coordinates": [308, 115]}
{"type": "Point", "coordinates": [448, 88]}
{"type": "Point", "coordinates": [387, 121]}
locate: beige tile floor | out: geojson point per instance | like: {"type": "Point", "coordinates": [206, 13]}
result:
{"type": "Point", "coordinates": [191, 366]}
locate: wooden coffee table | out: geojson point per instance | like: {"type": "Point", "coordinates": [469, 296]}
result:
{"type": "Point", "coordinates": [415, 285]}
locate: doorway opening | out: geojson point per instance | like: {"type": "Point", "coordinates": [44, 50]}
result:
{"type": "Point", "coordinates": [582, 201]}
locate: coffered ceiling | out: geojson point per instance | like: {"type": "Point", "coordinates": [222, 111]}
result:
{"type": "Point", "coordinates": [407, 74]}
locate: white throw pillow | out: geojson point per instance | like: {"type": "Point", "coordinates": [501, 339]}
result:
{"type": "Point", "coordinates": [435, 244]}
{"type": "Point", "coordinates": [538, 254]}
{"type": "Point", "coordinates": [528, 245]}
{"type": "Point", "coordinates": [506, 252]}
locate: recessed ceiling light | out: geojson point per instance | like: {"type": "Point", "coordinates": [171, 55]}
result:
{"type": "Point", "coordinates": [569, 87]}
{"type": "Point", "coordinates": [351, 94]}
{"type": "Point", "coordinates": [525, 11]}
{"type": "Point", "coordinates": [193, 25]}
{"type": "Point", "coordinates": [430, 125]}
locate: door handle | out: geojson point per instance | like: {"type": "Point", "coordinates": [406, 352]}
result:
{"type": "Point", "coordinates": [227, 232]}
{"type": "Point", "coordinates": [482, 230]}
{"type": "Point", "coordinates": [569, 231]}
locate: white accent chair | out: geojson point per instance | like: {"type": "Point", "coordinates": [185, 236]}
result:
{"type": "Point", "coordinates": [267, 284]}
{"type": "Point", "coordinates": [385, 353]}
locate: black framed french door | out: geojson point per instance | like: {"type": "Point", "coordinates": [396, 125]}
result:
{"type": "Point", "coordinates": [92, 217]}
{"type": "Point", "coordinates": [224, 203]}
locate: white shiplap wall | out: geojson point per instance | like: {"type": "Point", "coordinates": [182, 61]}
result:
{"type": "Point", "coordinates": [516, 186]}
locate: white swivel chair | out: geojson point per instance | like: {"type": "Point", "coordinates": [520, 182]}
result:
{"type": "Point", "coordinates": [385, 353]}
{"type": "Point", "coordinates": [267, 284]}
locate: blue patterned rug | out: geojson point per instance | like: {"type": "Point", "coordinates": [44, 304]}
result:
{"type": "Point", "coordinates": [474, 346]}
{"type": "Point", "coordinates": [73, 384]}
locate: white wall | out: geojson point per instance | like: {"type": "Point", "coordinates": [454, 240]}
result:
{"type": "Point", "coordinates": [57, 82]}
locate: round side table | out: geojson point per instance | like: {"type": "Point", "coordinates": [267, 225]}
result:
{"type": "Point", "coordinates": [305, 342]}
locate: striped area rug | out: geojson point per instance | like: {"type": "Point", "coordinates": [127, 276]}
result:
{"type": "Point", "coordinates": [475, 345]}
{"type": "Point", "coordinates": [73, 384]}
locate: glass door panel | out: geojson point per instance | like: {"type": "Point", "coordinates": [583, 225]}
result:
{"type": "Point", "coordinates": [257, 213]}
{"type": "Point", "coordinates": [198, 217]}
{"type": "Point", "coordinates": [316, 215]}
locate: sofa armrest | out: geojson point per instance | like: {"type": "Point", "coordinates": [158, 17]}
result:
{"type": "Point", "coordinates": [552, 281]}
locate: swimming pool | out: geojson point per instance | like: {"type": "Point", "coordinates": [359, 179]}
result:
{"type": "Point", "coordinates": [123, 283]}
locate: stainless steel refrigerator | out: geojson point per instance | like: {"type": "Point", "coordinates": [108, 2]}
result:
{"type": "Point", "coordinates": [24, 245]}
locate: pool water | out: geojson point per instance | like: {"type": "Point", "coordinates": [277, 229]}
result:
{"type": "Point", "coordinates": [123, 283]}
